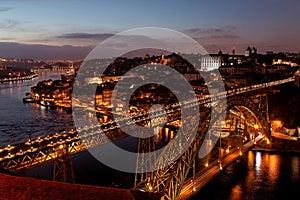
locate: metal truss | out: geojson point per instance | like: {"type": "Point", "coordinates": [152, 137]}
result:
{"type": "Point", "coordinates": [170, 179]}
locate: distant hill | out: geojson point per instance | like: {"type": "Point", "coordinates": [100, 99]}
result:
{"type": "Point", "coordinates": [42, 52]}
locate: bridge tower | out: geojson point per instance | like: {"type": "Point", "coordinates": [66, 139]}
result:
{"type": "Point", "coordinates": [261, 101]}
{"type": "Point", "coordinates": [144, 161]}
{"type": "Point", "coordinates": [63, 169]}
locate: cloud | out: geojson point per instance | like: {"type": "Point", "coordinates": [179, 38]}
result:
{"type": "Point", "coordinates": [216, 38]}
{"type": "Point", "coordinates": [222, 37]}
{"type": "Point", "coordinates": [4, 9]}
{"type": "Point", "coordinates": [225, 32]}
{"type": "Point", "coordinates": [86, 36]}
{"type": "Point", "coordinates": [206, 31]}
{"type": "Point", "coordinates": [9, 23]}
{"type": "Point", "coordinates": [6, 38]}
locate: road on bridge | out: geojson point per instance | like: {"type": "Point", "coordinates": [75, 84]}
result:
{"type": "Point", "coordinates": [204, 176]}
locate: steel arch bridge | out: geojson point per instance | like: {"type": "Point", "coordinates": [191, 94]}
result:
{"type": "Point", "coordinates": [251, 101]}
{"type": "Point", "coordinates": [169, 180]}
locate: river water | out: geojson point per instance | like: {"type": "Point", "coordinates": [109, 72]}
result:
{"type": "Point", "coordinates": [258, 176]}
{"type": "Point", "coordinates": [18, 120]}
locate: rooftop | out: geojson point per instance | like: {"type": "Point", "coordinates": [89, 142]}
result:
{"type": "Point", "coordinates": [23, 188]}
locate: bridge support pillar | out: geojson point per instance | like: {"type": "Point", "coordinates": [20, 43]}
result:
{"type": "Point", "coordinates": [63, 169]}
{"type": "Point", "coordinates": [262, 103]}
{"type": "Point", "coordinates": [144, 162]}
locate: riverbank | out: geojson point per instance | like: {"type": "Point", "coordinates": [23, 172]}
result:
{"type": "Point", "coordinates": [67, 108]}
{"type": "Point", "coordinates": [18, 78]}
{"type": "Point", "coordinates": [279, 145]}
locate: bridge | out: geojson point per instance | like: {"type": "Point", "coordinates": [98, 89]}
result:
{"type": "Point", "coordinates": [245, 108]}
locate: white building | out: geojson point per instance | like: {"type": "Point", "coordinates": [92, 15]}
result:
{"type": "Point", "coordinates": [210, 62]}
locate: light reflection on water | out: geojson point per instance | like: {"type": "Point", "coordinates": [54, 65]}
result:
{"type": "Point", "coordinates": [295, 169]}
{"type": "Point", "coordinates": [257, 161]}
{"type": "Point", "coordinates": [236, 192]}
{"type": "Point", "coordinates": [259, 176]}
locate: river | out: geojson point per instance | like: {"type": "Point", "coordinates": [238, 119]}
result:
{"type": "Point", "coordinates": [19, 120]}
{"type": "Point", "coordinates": [258, 176]}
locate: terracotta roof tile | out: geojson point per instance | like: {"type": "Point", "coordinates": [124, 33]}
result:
{"type": "Point", "coordinates": [24, 188]}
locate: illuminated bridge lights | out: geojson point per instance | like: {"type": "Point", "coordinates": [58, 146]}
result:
{"type": "Point", "coordinates": [46, 147]}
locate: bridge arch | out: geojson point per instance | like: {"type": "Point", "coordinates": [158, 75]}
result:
{"type": "Point", "coordinates": [247, 107]}
{"type": "Point", "coordinates": [169, 180]}
{"type": "Point", "coordinates": [243, 121]}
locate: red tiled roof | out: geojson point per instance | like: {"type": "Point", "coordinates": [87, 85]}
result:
{"type": "Point", "coordinates": [24, 188]}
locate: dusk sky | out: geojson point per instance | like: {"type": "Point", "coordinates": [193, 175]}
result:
{"type": "Point", "coordinates": [269, 25]}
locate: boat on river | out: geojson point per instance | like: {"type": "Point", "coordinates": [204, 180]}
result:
{"type": "Point", "coordinates": [28, 100]}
